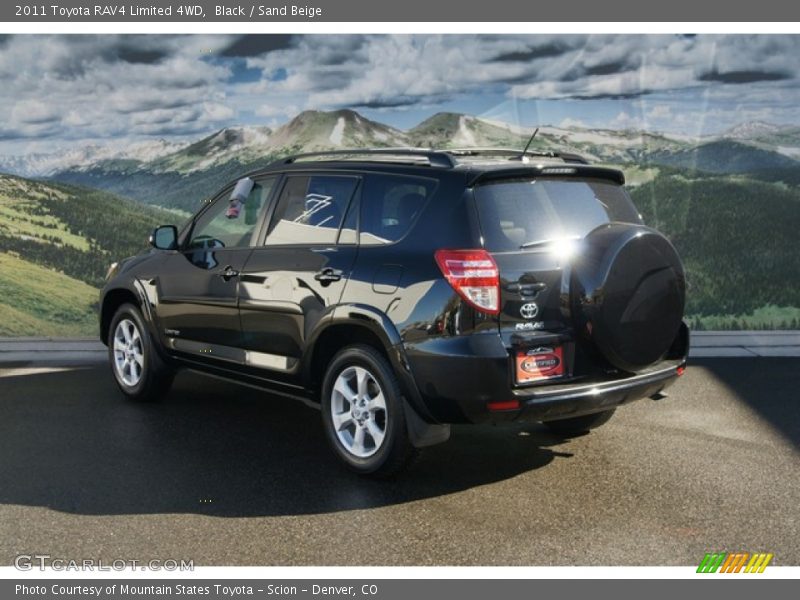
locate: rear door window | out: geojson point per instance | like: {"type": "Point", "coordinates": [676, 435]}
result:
{"type": "Point", "coordinates": [523, 212]}
{"type": "Point", "coordinates": [390, 205]}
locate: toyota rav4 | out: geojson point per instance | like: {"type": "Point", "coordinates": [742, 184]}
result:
{"type": "Point", "coordinates": [405, 290]}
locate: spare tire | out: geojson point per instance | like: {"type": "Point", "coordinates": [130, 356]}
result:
{"type": "Point", "coordinates": [627, 294]}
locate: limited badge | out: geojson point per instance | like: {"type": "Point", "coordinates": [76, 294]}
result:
{"type": "Point", "coordinates": [539, 364]}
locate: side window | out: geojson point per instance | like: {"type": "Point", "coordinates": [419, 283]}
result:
{"type": "Point", "coordinates": [310, 210]}
{"type": "Point", "coordinates": [231, 220]}
{"type": "Point", "coordinates": [389, 206]}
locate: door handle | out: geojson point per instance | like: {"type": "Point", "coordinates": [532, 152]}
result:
{"type": "Point", "coordinates": [525, 289]}
{"type": "Point", "coordinates": [328, 275]}
{"type": "Point", "coordinates": [229, 273]}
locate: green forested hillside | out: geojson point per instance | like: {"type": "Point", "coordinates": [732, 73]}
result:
{"type": "Point", "coordinates": [78, 231]}
{"type": "Point", "coordinates": [738, 238]}
{"type": "Point", "coordinates": [174, 189]}
{"type": "Point", "coordinates": [35, 300]}
{"type": "Point", "coordinates": [56, 243]}
{"type": "Point", "coordinates": [723, 156]}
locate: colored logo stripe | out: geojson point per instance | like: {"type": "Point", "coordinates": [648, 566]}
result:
{"type": "Point", "coordinates": [734, 562]}
{"type": "Point", "coordinates": [758, 563]}
{"type": "Point", "coordinates": [711, 562]}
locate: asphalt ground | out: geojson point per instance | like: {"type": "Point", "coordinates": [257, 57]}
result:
{"type": "Point", "coordinates": [227, 475]}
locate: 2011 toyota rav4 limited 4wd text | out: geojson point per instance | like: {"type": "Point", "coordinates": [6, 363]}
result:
{"type": "Point", "coordinates": [405, 290]}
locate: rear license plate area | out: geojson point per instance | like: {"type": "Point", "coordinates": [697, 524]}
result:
{"type": "Point", "coordinates": [539, 364]}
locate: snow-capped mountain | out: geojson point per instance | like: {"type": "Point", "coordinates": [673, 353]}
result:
{"type": "Point", "coordinates": [308, 131]}
{"type": "Point", "coordinates": [452, 130]}
{"type": "Point", "coordinates": [783, 139]}
{"type": "Point", "coordinates": [316, 130]}
{"type": "Point", "coordinates": [174, 173]}
{"type": "Point", "coordinates": [752, 130]}
{"type": "Point", "coordinates": [46, 164]}
{"type": "Point", "coordinates": [220, 147]}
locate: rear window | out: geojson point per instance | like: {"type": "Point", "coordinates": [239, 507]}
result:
{"type": "Point", "coordinates": [514, 213]}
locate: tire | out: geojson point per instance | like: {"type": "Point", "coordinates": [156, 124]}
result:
{"type": "Point", "coordinates": [369, 435]}
{"type": "Point", "coordinates": [579, 425]}
{"type": "Point", "coordinates": [139, 371]}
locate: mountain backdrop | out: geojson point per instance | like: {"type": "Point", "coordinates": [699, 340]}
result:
{"type": "Point", "coordinates": [730, 203]}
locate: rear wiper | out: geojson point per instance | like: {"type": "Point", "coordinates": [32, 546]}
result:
{"type": "Point", "coordinates": [547, 242]}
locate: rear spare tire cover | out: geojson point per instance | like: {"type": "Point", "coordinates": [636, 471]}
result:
{"type": "Point", "coordinates": [627, 293]}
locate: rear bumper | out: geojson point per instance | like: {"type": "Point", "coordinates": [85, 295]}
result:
{"type": "Point", "coordinates": [459, 377]}
{"type": "Point", "coordinates": [558, 402]}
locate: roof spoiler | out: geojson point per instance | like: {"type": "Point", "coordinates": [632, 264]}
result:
{"type": "Point", "coordinates": [567, 157]}
{"type": "Point", "coordinates": [579, 170]}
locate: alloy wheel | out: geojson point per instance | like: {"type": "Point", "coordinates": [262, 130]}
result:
{"type": "Point", "coordinates": [128, 353]}
{"type": "Point", "coordinates": [358, 410]}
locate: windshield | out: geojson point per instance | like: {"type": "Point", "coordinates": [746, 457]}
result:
{"type": "Point", "coordinates": [531, 213]}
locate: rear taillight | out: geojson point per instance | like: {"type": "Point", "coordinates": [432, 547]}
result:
{"type": "Point", "coordinates": [474, 275]}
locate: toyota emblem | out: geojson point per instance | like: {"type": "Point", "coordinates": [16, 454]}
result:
{"type": "Point", "coordinates": [529, 310]}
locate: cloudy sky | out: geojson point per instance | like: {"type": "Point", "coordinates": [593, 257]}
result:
{"type": "Point", "coordinates": [59, 90]}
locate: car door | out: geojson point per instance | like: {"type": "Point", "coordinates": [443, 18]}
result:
{"type": "Point", "coordinates": [297, 275]}
{"type": "Point", "coordinates": [198, 284]}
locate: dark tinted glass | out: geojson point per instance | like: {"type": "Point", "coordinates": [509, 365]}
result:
{"type": "Point", "coordinates": [310, 210]}
{"type": "Point", "coordinates": [390, 205]}
{"type": "Point", "coordinates": [513, 213]}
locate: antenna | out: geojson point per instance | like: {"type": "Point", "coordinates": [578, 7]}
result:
{"type": "Point", "coordinates": [522, 157]}
{"type": "Point", "coordinates": [530, 141]}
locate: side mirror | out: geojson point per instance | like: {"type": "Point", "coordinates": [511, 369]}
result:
{"type": "Point", "coordinates": [164, 237]}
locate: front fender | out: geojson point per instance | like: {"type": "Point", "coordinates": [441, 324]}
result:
{"type": "Point", "coordinates": [126, 289]}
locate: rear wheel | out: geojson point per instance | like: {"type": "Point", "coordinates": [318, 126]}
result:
{"type": "Point", "coordinates": [363, 413]}
{"type": "Point", "coordinates": [138, 369]}
{"type": "Point", "coordinates": [578, 425]}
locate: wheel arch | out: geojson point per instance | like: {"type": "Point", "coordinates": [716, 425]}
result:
{"type": "Point", "coordinates": [360, 324]}
{"type": "Point", "coordinates": [115, 297]}
{"type": "Point", "coordinates": [111, 302]}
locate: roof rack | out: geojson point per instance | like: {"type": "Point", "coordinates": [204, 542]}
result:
{"type": "Point", "coordinates": [435, 158]}
{"type": "Point", "coordinates": [511, 152]}
{"type": "Point", "coordinates": [446, 158]}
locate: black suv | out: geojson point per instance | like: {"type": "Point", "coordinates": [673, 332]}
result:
{"type": "Point", "coordinates": [404, 290]}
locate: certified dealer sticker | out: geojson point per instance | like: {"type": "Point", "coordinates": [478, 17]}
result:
{"type": "Point", "coordinates": [539, 363]}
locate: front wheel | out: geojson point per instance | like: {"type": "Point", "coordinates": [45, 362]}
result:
{"type": "Point", "coordinates": [139, 371]}
{"type": "Point", "coordinates": [363, 413]}
{"type": "Point", "coordinates": [578, 425]}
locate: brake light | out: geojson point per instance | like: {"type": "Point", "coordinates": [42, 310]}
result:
{"type": "Point", "coordinates": [681, 370]}
{"type": "Point", "coordinates": [474, 275]}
